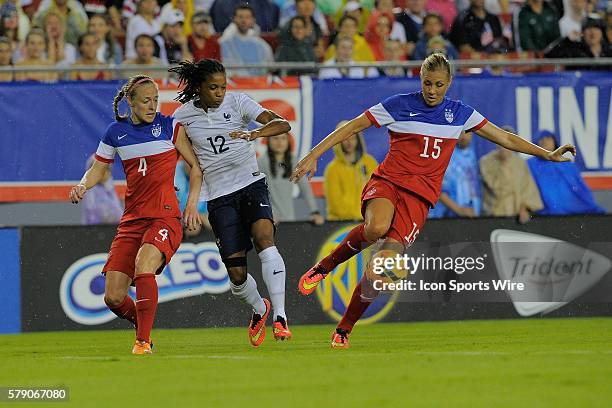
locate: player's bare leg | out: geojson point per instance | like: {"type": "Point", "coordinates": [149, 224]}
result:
{"type": "Point", "coordinates": [148, 260]}
{"type": "Point", "coordinates": [116, 296]}
{"type": "Point", "coordinates": [378, 217]}
{"type": "Point", "coordinates": [274, 274]}
{"type": "Point", "coordinates": [244, 287]}
{"type": "Point", "coordinates": [363, 295]}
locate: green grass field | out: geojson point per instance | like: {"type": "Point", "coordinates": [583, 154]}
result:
{"type": "Point", "coordinates": [513, 363]}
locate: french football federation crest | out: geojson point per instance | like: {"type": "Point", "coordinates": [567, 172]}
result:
{"type": "Point", "coordinates": [448, 115]}
{"type": "Point", "coordinates": [227, 116]}
{"type": "Point", "coordinates": [156, 130]}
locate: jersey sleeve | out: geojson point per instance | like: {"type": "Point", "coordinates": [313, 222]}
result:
{"type": "Point", "coordinates": [475, 121]}
{"type": "Point", "coordinates": [106, 148]}
{"type": "Point", "coordinates": [384, 113]}
{"type": "Point", "coordinates": [173, 124]}
{"type": "Point", "coordinates": [248, 108]}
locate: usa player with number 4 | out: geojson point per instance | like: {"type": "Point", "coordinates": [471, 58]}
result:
{"type": "Point", "coordinates": [150, 230]}
{"type": "Point", "coordinates": [423, 129]}
{"type": "Point", "coordinates": [236, 191]}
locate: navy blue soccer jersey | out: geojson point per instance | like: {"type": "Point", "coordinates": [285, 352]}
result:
{"type": "Point", "coordinates": [422, 140]}
{"type": "Point", "coordinates": [149, 159]}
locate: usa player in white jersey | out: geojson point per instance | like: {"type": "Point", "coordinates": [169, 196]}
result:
{"type": "Point", "coordinates": [423, 130]}
{"type": "Point", "coordinates": [237, 195]}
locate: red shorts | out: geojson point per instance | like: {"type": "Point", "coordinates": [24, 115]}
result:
{"type": "Point", "coordinates": [410, 209]}
{"type": "Point", "coordinates": [165, 234]}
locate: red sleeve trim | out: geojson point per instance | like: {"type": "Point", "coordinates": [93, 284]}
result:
{"type": "Point", "coordinates": [177, 127]}
{"type": "Point", "coordinates": [103, 159]}
{"type": "Point", "coordinates": [478, 126]}
{"type": "Point", "coordinates": [372, 118]}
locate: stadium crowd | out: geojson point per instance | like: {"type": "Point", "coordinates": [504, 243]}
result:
{"type": "Point", "coordinates": [101, 33]}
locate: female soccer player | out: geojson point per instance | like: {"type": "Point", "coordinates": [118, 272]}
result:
{"type": "Point", "coordinates": [150, 231]}
{"type": "Point", "coordinates": [237, 195]}
{"type": "Point", "coordinates": [423, 129]}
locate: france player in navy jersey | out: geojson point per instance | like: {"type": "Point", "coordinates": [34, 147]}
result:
{"type": "Point", "coordinates": [150, 230]}
{"type": "Point", "coordinates": [423, 130]}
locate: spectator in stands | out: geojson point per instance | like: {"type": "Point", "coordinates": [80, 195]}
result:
{"type": "Point", "coordinates": [461, 192]}
{"type": "Point", "coordinates": [316, 28]}
{"type": "Point", "coordinates": [245, 47]}
{"type": "Point", "coordinates": [145, 50]}
{"type": "Point", "coordinates": [570, 25]}
{"type": "Point", "coordinates": [377, 32]}
{"type": "Point", "coordinates": [58, 49]}
{"type": "Point", "coordinates": [101, 204]}
{"type": "Point", "coordinates": [538, 25]}
{"type": "Point", "coordinates": [14, 23]}
{"type": "Point", "coordinates": [172, 40]}
{"type": "Point", "coordinates": [397, 29]}
{"type": "Point", "coordinates": [609, 27]}
{"type": "Point", "coordinates": [345, 177]}
{"type": "Point", "coordinates": [446, 9]}
{"type": "Point", "coordinates": [201, 42]}
{"type": "Point", "coordinates": [344, 52]}
{"type": "Point", "coordinates": [35, 54]}
{"type": "Point", "coordinates": [108, 49]}
{"type": "Point", "coordinates": [592, 45]}
{"type": "Point", "coordinates": [6, 59]}
{"type": "Point", "coordinates": [562, 188]}
{"type": "Point", "coordinates": [475, 29]}
{"type": "Point", "coordinates": [265, 13]}
{"type": "Point", "coordinates": [411, 19]}
{"type": "Point", "coordinates": [393, 51]}
{"type": "Point", "coordinates": [88, 49]}
{"type": "Point", "coordinates": [182, 7]}
{"type": "Point", "coordinates": [181, 184]}
{"type": "Point", "coordinates": [307, 9]}
{"type": "Point", "coordinates": [295, 47]}
{"type": "Point", "coordinates": [348, 28]}
{"type": "Point", "coordinates": [432, 27]}
{"type": "Point", "coordinates": [72, 15]}
{"type": "Point", "coordinates": [508, 188]}
{"type": "Point", "coordinates": [143, 22]}
{"type": "Point", "coordinates": [277, 164]}
{"type": "Point", "coordinates": [354, 8]}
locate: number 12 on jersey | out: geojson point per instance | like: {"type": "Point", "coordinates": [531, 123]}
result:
{"type": "Point", "coordinates": [435, 149]}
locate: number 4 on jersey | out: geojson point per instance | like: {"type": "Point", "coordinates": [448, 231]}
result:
{"type": "Point", "coordinates": [142, 167]}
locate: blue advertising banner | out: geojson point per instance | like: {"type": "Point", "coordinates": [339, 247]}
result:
{"type": "Point", "coordinates": [10, 282]}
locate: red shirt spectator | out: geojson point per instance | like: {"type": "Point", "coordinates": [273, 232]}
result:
{"type": "Point", "coordinates": [201, 43]}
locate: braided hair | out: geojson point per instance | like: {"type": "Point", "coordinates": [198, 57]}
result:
{"type": "Point", "coordinates": [128, 90]}
{"type": "Point", "coordinates": [192, 74]}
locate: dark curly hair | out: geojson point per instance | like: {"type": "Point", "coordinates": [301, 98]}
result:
{"type": "Point", "coordinates": [192, 74]}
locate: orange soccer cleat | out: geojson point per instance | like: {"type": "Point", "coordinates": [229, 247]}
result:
{"type": "Point", "coordinates": [142, 347]}
{"type": "Point", "coordinates": [257, 326]}
{"type": "Point", "coordinates": [281, 329]}
{"type": "Point", "coordinates": [340, 339]}
{"type": "Point", "coordinates": [310, 280]}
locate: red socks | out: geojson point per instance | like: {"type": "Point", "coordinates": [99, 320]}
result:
{"type": "Point", "coordinates": [352, 244]}
{"type": "Point", "coordinates": [357, 306]}
{"type": "Point", "coordinates": [126, 310]}
{"type": "Point", "coordinates": [146, 305]}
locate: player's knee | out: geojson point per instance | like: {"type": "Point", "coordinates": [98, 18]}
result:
{"type": "Point", "coordinates": [114, 298]}
{"type": "Point", "coordinates": [148, 261]}
{"type": "Point", "coordinates": [376, 229]}
{"type": "Point", "coordinates": [237, 275]}
{"type": "Point", "coordinates": [262, 243]}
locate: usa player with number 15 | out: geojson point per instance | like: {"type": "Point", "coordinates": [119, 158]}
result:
{"type": "Point", "coordinates": [150, 230]}
{"type": "Point", "coordinates": [423, 130]}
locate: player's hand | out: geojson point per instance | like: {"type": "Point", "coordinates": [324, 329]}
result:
{"type": "Point", "coordinates": [557, 155]}
{"type": "Point", "coordinates": [192, 218]}
{"type": "Point", "coordinates": [317, 219]}
{"type": "Point", "coordinates": [524, 216]}
{"type": "Point", "coordinates": [244, 134]}
{"type": "Point", "coordinates": [306, 166]}
{"type": "Point", "coordinates": [467, 212]}
{"type": "Point", "coordinates": [77, 193]}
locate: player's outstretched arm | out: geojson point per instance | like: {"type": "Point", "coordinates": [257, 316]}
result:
{"type": "Point", "coordinates": [308, 165]}
{"type": "Point", "coordinates": [273, 125]}
{"type": "Point", "coordinates": [191, 216]}
{"type": "Point", "coordinates": [513, 142]}
{"type": "Point", "coordinates": [90, 179]}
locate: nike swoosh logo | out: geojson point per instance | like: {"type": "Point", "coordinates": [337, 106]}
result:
{"type": "Point", "coordinates": [121, 137]}
{"type": "Point", "coordinates": [413, 114]}
{"type": "Point", "coordinates": [263, 205]}
{"type": "Point", "coordinates": [277, 272]}
{"type": "Point", "coordinates": [309, 286]}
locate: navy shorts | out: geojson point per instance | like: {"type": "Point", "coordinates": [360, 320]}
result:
{"type": "Point", "coordinates": [232, 215]}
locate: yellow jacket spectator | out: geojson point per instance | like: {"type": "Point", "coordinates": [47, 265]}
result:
{"type": "Point", "coordinates": [361, 49]}
{"type": "Point", "coordinates": [345, 177]}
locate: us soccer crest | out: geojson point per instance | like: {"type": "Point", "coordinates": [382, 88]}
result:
{"type": "Point", "coordinates": [448, 115]}
{"type": "Point", "coordinates": [156, 130]}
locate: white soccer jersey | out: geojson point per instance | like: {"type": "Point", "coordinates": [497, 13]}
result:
{"type": "Point", "coordinates": [228, 164]}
